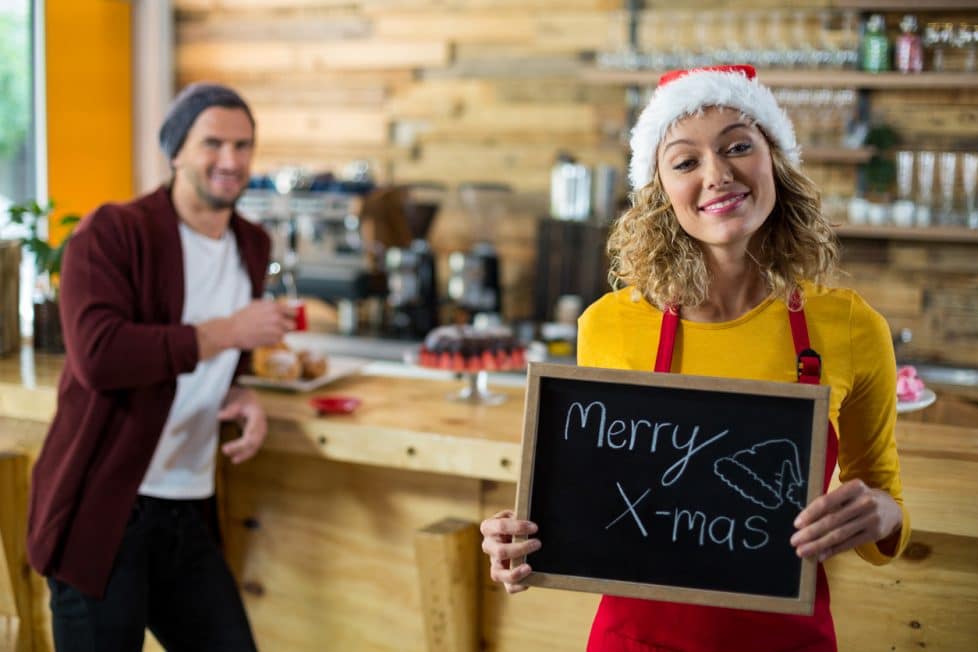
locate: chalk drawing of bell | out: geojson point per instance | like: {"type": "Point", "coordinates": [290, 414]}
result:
{"type": "Point", "coordinates": [749, 473]}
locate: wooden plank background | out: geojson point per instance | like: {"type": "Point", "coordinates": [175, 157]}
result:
{"type": "Point", "coordinates": [491, 90]}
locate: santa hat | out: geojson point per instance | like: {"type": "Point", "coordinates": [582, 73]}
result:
{"type": "Point", "coordinates": [681, 93]}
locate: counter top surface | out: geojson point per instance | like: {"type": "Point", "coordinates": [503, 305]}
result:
{"type": "Point", "coordinates": [405, 419]}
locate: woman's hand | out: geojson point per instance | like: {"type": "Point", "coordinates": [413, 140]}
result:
{"type": "Point", "coordinates": [848, 516]}
{"type": "Point", "coordinates": [497, 542]}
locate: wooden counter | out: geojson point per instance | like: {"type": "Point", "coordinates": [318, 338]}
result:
{"type": "Point", "coordinates": [321, 527]}
{"type": "Point", "coordinates": [434, 434]}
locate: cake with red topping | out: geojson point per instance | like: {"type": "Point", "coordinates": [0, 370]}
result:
{"type": "Point", "coordinates": [469, 349]}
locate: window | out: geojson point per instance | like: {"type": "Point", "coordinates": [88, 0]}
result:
{"type": "Point", "coordinates": [18, 127]}
{"type": "Point", "coordinates": [17, 178]}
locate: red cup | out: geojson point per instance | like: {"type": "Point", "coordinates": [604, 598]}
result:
{"type": "Point", "coordinates": [299, 307]}
{"type": "Point", "coordinates": [334, 404]}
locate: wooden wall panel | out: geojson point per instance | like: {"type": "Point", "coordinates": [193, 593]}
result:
{"type": "Point", "coordinates": [281, 57]}
{"type": "Point", "coordinates": [283, 125]}
{"type": "Point", "coordinates": [301, 25]}
{"type": "Point", "coordinates": [479, 26]}
{"type": "Point", "coordinates": [929, 288]}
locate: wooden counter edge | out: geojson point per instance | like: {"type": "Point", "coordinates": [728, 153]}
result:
{"type": "Point", "coordinates": [334, 440]}
{"type": "Point", "coordinates": [396, 448]}
{"type": "Point", "coordinates": [28, 403]}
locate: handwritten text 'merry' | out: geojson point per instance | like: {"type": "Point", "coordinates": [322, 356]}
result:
{"type": "Point", "coordinates": [622, 434]}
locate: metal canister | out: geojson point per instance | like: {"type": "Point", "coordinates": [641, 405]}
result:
{"type": "Point", "coordinates": [570, 191]}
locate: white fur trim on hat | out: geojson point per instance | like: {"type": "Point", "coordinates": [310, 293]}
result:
{"type": "Point", "coordinates": [697, 90]}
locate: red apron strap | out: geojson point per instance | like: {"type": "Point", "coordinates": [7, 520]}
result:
{"type": "Point", "coordinates": [809, 362]}
{"type": "Point", "coordinates": [667, 339]}
{"type": "Point", "coordinates": [810, 371]}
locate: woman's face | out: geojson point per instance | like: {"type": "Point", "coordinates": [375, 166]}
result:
{"type": "Point", "coordinates": [716, 169]}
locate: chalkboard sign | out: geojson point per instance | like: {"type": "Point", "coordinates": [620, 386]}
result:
{"type": "Point", "coordinates": [671, 487]}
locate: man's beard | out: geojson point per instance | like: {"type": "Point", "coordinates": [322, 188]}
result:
{"type": "Point", "coordinates": [213, 201]}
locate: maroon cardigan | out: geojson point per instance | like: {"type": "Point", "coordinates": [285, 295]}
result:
{"type": "Point", "coordinates": [121, 303]}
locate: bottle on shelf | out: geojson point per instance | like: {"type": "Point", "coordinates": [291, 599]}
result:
{"type": "Point", "coordinates": [909, 50]}
{"type": "Point", "coordinates": [875, 46]}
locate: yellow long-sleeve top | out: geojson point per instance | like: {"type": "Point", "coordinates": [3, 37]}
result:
{"type": "Point", "coordinates": [853, 340]}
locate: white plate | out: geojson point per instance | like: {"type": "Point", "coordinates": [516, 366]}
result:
{"type": "Point", "coordinates": [927, 398]}
{"type": "Point", "coordinates": [339, 367]}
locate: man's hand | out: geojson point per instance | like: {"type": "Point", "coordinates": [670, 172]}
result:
{"type": "Point", "coordinates": [260, 323]}
{"type": "Point", "coordinates": [242, 405]}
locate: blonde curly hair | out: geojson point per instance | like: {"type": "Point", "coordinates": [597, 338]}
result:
{"type": "Point", "coordinates": [649, 250]}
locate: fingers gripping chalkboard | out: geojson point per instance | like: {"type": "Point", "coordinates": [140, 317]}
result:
{"type": "Point", "coordinates": [671, 487]}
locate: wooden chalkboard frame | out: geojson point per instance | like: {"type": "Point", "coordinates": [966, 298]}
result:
{"type": "Point", "coordinates": [819, 394]}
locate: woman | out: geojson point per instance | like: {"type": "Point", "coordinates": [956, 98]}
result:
{"type": "Point", "coordinates": [721, 266]}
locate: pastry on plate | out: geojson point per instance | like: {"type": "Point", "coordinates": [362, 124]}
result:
{"type": "Point", "coordinates": [314, 364]}
{"type": "Point", "coordinates": [277, 362]}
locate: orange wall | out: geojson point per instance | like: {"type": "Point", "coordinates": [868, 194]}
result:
{"type": "Point", "coordinates": [89, 104]}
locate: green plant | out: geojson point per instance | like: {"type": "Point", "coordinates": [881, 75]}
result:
{"type": "Point", "coordinates": [47, 258]}
{"type": "Point", "coordinates": [880, 170]}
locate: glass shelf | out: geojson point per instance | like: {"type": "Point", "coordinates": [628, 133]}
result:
{"type": "Point", "coordinates": [957, 234]}
{"type": "Point", "coordinates": [807, 79]}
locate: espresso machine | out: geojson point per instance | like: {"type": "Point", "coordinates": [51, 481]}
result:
{"type": "Point", "coordinates": [474, 282]}
{"type": "Point", "coordinates": [316, 239]}
{"type": "Point", "coordinates": [412, 287]}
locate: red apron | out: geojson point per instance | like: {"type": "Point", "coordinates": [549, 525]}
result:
{"type": "Point", "coordinates": [634, 625]}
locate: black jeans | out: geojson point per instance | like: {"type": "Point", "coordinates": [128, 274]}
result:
{"type": "Point", "coordinates": [169, 576]}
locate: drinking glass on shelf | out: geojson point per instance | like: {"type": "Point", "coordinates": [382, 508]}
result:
{"type": "Point", "coordinates": [651, 27]}
{"type": "Point", "coordinates": [674, 52]}
{"type": "Point", "coordinates": [684, 39]}
{"type": "Point", "coordinates": [777, 53]}
{"type": "Point", "coordinates": [903, 207]}
{"type": "Point", "coordinates": [965, 39]}
{"type": "Point", "coordinates": [705, 41]}
{"type": "Point", "coordinates": [617, 36]}
{"type": "Point", "coordinates": [925, 187]}
{"type": "Point", "coordinates": [797, 103]}
{"type": "Point", "coordinates": [843, 110]}
{"type": "Point", "coordinates": [969, 179]}
{"type": "Point", "coordinates": [937, 38]}
{"type": "Point", "coordinates": [826, 49]}
{"type": "Point", "coordinates": [849, 40]}
{"type": "Point", "coordinates": [904, 174]}
{"type": "Point", "coordinates": [821, 117]}
{"type": "Point", "coordinates": [754, 38]}
{"type": "Point", "coordinates": [730, 33]}
{"type": "Point", "coordinates": [803, 54]}
{"type": "Point", "coordinates": [948, 163]}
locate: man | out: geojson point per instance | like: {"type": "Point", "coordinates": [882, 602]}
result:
{"type": "Point", "coordinates": [159, 297]}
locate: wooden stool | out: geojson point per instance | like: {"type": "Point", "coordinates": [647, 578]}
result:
{"type": "Point", "coordinates": [15, 585]}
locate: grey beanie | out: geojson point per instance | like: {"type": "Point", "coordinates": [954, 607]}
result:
{"type": "Point", "coordinates": [188, 105]}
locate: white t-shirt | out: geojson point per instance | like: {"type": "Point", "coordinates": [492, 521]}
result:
{"type": "Point", "coordinates": [215, 285]}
